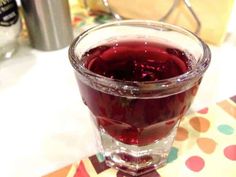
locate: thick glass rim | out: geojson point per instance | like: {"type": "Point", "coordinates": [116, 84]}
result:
{"type": "Point", "coordinates": [174, 82]}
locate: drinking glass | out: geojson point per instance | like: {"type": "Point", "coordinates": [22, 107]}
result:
{"type": "Point", "coordinates": [135, 121]}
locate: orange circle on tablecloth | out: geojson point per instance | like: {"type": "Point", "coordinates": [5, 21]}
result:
{"type": "Point", "coordinates": [207, 145]}
{"type": "Point", "coordinates": [182, 134]}
{"type": "Point", "coordinates": [200, 124]}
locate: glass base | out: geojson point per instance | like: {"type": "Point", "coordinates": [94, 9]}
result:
{"type": "Point", "coordinates": [136, 160]}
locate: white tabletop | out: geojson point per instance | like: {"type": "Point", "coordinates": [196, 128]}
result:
{"type": "Point", "coordinates": [44, 124]}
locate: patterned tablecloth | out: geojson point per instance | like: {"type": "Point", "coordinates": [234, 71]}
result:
{"type": "Point", "coordinates": [205, 146]}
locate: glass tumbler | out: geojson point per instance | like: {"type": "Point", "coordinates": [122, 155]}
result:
{"type": "Point", "coordinates": [136, 119]}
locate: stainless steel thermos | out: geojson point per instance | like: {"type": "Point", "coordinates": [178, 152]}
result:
{"type": "Point", "coordinates": [48, 23]}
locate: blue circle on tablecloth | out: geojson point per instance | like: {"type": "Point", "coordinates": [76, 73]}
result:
{"type": "Point", "coordinates": [225, 129]}
{"type": "Point", "coordinates": [172, 155]}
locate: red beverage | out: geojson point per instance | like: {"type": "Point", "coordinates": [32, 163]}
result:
{"type": "Point", "coordinates": [137, 120]}
{"type": "Point", "coordinates": [138, 79]}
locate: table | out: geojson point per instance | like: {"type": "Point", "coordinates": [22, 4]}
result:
{"type": "Point", "coordinates": [44, 124]}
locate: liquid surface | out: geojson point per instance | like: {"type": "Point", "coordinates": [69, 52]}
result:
{"type": "Point", "coordinates": [136, 61]}
{"type": "Point", "coordinates": [136, 121]}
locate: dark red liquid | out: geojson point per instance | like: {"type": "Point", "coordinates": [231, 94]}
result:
{"type": "Point", "coordinates": [136, 121]}
{"type": "Point", "coordinates": [136, 61]}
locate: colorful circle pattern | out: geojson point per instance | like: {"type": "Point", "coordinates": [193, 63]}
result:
{"type": "Point", "coordinates": [207, 145]}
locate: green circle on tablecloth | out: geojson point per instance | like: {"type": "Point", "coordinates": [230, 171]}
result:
{"type": "Point", "coordinates": [225, 129]}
